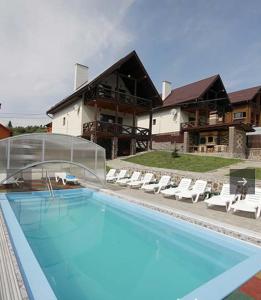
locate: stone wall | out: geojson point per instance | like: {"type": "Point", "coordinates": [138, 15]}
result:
{"type": "Point", "coordinates": [254, 153]}
{"type": "Point", "coordinates": [167, 146]}
{"type": "Point", "coordinates": [237, 143]}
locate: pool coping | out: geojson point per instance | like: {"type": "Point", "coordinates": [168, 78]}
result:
{"type": "Point", "coordinates": [36, 284]}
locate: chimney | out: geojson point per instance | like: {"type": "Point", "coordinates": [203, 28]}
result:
{"type": "Point", "coordinates": [166, 89]}
{"type": "Point", "coordinates": [80, 75]}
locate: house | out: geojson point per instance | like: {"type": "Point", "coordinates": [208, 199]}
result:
{"type": "Point", "coordinates": [193, 117]}
{"type": "Point", "coordinates": [246, 106]}
{"type": "Point", "coordinates": [105, 110]}
{"type": "Point", "coordinates": [4, 132]}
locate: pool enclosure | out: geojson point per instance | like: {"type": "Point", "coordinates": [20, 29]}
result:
{"type": "Point", "coordinates": [38, 155]}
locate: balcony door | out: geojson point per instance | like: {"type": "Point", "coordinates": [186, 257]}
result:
{"type": "Point", "coordinates": [110, 119]}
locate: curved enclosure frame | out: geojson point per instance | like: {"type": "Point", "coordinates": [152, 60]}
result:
{"type": "Point", "coordinates": [23, 152]}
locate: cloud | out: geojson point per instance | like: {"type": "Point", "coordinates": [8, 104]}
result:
{"type": "Point", "coordinates": [41, 40]}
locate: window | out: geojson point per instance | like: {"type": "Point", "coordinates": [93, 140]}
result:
{"type": "Point", "coordinates": [154, 122]}
{"type": "Point", "coordinates": [239, 115]}
{"type": "Point", "coordinates": [64, 121]}
{"type": "Point", "coordinates": [210, 139]}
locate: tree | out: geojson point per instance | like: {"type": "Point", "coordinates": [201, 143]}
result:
{"type": "Point", "coordinates": [10, 124]}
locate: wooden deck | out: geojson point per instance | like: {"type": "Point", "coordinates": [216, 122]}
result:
{"type": "Point", "coordinates": [11, 282]}
{"type": "Point", "coordinates": [35, 185]}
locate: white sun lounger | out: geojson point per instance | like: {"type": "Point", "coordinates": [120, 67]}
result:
{"type": "Point", "coordinates": [122, 174]}
{"type": "Point", "coordinates": [252, 203]}
{"type": "Point", "coordinates": [223, 199]}
{"type": "Point", "coordinates": [156, 187]}
{"type": "Point", "coordinates": [198, 189]}
{"type": "Point", "coordinates": [140, 183]}
{"type": "Point", "coordinates": [183, 186]}
{"type": "Point", "coordinates": [10, 180]}
{"type": "Point", "coordinates": [110, 174]}
{"type": "Point", "coordinates": [134, 177]}
{"type": "Point", "coordinates": [66, 178]}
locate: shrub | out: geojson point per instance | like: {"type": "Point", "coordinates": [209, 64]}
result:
{"type": "Point", "coordinates": [175, 153]}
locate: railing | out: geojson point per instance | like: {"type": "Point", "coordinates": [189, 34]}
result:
{"type": "Point", "coordinates": [121, 97]}
{"type": "Point", "coordinates": [49, 185]}
{"type": "Point", "coordinates": [193, 124]}
{"type": "Point", "coordinates": [114, 129]}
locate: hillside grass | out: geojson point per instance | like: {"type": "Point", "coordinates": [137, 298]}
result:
{"type": "Point", "coordinates": [185, 162]}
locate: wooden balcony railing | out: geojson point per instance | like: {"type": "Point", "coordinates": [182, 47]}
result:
{"type": "Point", "coordinates": [192, 124]}
{"type": "Point", "coordinates": [114, 129]}
{"type": "Point", "coordinates": [105, 93]}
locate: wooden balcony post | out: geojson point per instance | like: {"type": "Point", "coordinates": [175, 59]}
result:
{"type": "Point", "coordinates": [150, 130]}
{"type": "Point", "coordinates": [197, 117]}
{"type": "Point", "coordinates": [95, 122]}
{"type": "Point", "coordinates": [117, 112]}
{"type": "Point", "coordinates": [114, 147]}
{"type": "Point", "coordinates": [133, 122]}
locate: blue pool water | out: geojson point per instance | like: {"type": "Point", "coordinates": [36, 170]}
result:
{"type": "Point", "coordinates": [94, 247]}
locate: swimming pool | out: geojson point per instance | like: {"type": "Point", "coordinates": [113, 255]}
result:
{"type": "Point", "coordinates": [94, 246]}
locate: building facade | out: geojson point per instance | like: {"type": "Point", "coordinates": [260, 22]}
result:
{"type": "Point", "coordinates": [105, 110]}
{"type": "Point", "coordinates": [246, 106]}
{"type": "Point", "coordinates": [200, 117]}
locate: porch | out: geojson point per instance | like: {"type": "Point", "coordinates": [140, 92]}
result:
{"type": "Point", "coordinates": [226, 138]}
{"type": "Point", "coordinates": [100, 128]}
{"type": "Point", "coordinates": [117, 139]}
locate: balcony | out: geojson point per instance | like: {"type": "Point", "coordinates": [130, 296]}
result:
{"type": "Point", "coordinates": [192, 125]}
{"type": "Point", "coordinates": [107, 129]}
{"type": "Point", "coordinates": [121, 97]}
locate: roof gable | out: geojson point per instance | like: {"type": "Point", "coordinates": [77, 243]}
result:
{"type": "Point", "coordinates": [244, 95]}
{"type": "Point", "coordinates": [190, 91]}
{"type": "Point", "coordinates": [129, 63]}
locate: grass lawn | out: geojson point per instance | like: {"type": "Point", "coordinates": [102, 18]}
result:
{"type": "Point", "coordinates": [258, 173]}
{"type": "Point", "coordinates": [185, 162]}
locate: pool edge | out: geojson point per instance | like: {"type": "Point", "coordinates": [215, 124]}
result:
{"type": "Point", "coordinates": [199, 293]}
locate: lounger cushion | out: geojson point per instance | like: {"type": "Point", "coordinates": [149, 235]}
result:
{"type": "Point", "coordinates": [220, 200]}
{"type": "Point", "coordinates": [245, 206]}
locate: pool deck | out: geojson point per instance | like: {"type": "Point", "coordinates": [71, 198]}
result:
{"type": "Point", "coordinates": [11, 282]}
{"type": "Point", "coordinates": [242, 223]}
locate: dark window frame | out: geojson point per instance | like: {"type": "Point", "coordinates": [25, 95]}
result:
{"type": "Point", "coordinates": [239, 115]}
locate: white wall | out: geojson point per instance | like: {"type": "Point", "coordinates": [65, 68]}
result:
{"type": "Point", "coordinates": [89, 114]}
{"type": "Point", "coordinates": [165, 121]}
{"type": "Point", "coordinates": [73, 119]}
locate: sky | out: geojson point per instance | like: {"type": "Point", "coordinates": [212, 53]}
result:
{"type": "Point", "coordinates": [177, 40]}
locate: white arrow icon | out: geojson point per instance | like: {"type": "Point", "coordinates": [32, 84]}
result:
{"type": "Point", "coordinates": [244, 181]}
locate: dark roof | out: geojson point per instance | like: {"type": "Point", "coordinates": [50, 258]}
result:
{"type": "Point", "coordinates": [107, 72]}
{"type": "Point", "coordinates": [244, 95]}
{"type": "Point", "coordinates": [190, 91]}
